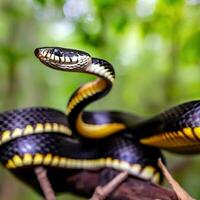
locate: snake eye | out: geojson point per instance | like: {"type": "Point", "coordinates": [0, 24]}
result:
{"type": "Point", "coordinates": [56, 52]}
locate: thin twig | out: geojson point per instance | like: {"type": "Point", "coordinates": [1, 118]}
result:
{"type": "Point", "coordinates": [180, 192]}
{"type": "Point", "coordinates": [45, 183]}
{"type": "Point", "coordinates": [102, 193]}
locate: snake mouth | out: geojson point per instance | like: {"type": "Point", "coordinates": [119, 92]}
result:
{"type": "Point", "coordinates": [63, 59]}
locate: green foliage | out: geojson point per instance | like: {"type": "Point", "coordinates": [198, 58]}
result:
{"type": "Point", "coordinates": [153, 45]}
{"type": "Point", "coordinates": [41, 2]}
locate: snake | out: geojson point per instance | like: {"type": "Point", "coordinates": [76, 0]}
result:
{"type": "Point", "coordinates": [176, 129]}
{"type": "Point", "coordinates": [79, 140]}
{"type": "Point", "coordinates": [40, 136]}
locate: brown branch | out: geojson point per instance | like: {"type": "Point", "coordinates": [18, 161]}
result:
{"type": "Point", "coordinates": [85, 183]}
{"type": "Point", "coordinates": [102, 193]}
{"type": "Point", "coordinates": [180, 192]}
{"type": "Point", "coordinates": [44, 183]}
{"type": "Point", "coordinates": [122, 186]}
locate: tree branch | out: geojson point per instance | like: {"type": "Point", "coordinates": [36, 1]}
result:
{"type": "Point", "coordinates": [122, 186]}
{"type": "Point", "coordinates": [45, 183]}
{"type": "Point", "coordinates": [180, 192]}
{"type": "Point", "coordinates": [85, 183]}
{"type": "Point", "coordinates": [102, 193]}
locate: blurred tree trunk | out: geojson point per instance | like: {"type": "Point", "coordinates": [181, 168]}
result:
{"type": "Point", "coordinates": [10, 55]}
{"type": "Point", "coordinates": [171, 78]}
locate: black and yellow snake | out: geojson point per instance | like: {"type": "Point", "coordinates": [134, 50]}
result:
{"type": "Point", "coordinates": [81, 140]}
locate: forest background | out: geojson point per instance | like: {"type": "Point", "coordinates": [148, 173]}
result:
{"type": "Point", "coordinates": [154, 46]}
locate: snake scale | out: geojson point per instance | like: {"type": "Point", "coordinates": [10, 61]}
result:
{"type": "Point", "coordinates": [78, 140]}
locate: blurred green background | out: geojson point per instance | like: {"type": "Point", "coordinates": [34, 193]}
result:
{"type": "Point", "coordinates": [154, 46]}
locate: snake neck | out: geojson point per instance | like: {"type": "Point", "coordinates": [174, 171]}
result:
{"type": "Point", "coordinates": [87, 94]}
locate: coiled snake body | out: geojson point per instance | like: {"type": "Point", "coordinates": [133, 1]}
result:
{"type": "Point", "coordinates": [84, 140]}
{"type": "Point", "coordinates": [42, 138]}
{"type": "Point", "coordinates": [177, 129]}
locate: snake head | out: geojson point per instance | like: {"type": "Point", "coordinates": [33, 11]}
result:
{"type": "Point", "coordinates": [63, 59]}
